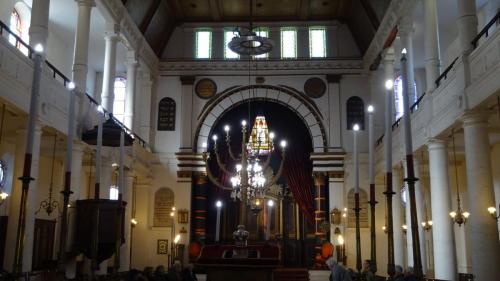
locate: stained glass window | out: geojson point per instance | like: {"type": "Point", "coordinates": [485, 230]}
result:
{"type": "Point", "coordinates": [288, 43]}
{"type": "Point", "coordinates": [228, 54]}
{"type": "Point", "coordinates": [203, 44]}
{"type": "Point", "coordinates": [317, 42]}
{"type": "Point", "coordinates": [119, 101]}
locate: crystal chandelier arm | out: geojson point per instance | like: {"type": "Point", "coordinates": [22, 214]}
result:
{"type": "Point", "coordinates": [268, 158]}
{"type": "Point", "coordinates": [231, 154]}
{"type": "Point", "coordinates": [211, 177]}
{"type": "Point", "coordinates": [278, 174]}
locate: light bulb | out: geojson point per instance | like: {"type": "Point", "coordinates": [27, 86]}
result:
{"type": "Point", "coordinates": [4, 195]}
{"type": "Point", "coordinates": [133, 221]}
{"type": "Point", "coordinates": [466, 214]}
{"type": "Point", "coordinates": [270, 203]}
{"type": "Point", "coordinates": [389, 84]}
{"type": "Point", "coordinates": [429, 222]}
{"type": "Point", "coordinates": [283, 143]}
{"type": "Point", "coordinates": [226, 128]}
{"type": "Point", "coordinates": [423, 223]}
{"type": "Point", "coordinates": [243, 123]}
{"type": "Point", "coordinates": [271, 135]}
{"type": "Point", "coordinates": [403, 51]}
{"type": "Point", "coordinates": [344, 215]}
{"type": "Point", "coordinates": [370, 108]}
{"type": "Point", "coordinates": [492, 210]}
{"type": "Point", "coordinates": [238, 167]}
{"type": "Point", "coordinates": [218, 204]}
{"type": "Point", "coordinates": [177, 238]}
{"type": "Point", "coordinates": [404, 227]}
{"type": "Point", "coordinates": [384, 228]}
{"type": "Point", "coordinates": [453, 214]}
{"type": "Point", "coordinates": [71, 85]}
{"type": "Point", "coordinates": [355, 127]}
{"type": "Point", "coordinates": [214, 137]}
{"type": "Point", "coordinates": [38, 48]}
{"type": "Point", "coordinates": [100, 109]}
{"type": "Point", "coordinates": [204, 145]}
{"type": "Point", "coordinates": [340, 239]}
{"type": "Point", "coordinates": [171, 214]}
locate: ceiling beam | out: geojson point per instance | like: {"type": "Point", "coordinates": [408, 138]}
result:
{"type": "Point", "coordinates": [176, 8]}
{"type": "Point", "coordinates": [215, 10]}
{"type": "Point", "coordinates": [303, 9]}
{"type": "Point", "coordinates": [149, 16]}
{"type": "Point", "coordinates": [372, 16]}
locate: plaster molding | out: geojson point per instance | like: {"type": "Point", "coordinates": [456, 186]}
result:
{"type": "Point", "coordinates": [396, 10]}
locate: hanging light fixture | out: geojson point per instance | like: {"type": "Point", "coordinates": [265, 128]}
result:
{"type": "Point", "coordinates": [3, 166]}
{"type": "Point", "coordinates": [247, 42]}
{"type": "Point", "coordinates": [50, 204]}
{"type": "Point", "coordinates": [460, 216]}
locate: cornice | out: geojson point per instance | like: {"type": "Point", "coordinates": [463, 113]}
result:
{"type": "Point", "coordinates": [396, 10]}
{"type": "Point", "coordinates": [325, 66]}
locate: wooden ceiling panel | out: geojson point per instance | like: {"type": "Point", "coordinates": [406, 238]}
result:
{"type": "Point", "coordinates": [263, 9]}
{"type": "Point", "coordinates": [323, 8]}
{"type": "Point", "coordinates": [196, 10]}
{"type": "Point", "coordinates": [158, 28]}
{"type": "Point", "coordinates": [138, 9]}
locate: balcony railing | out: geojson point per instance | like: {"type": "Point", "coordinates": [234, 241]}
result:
{"type": "Point", "coordinates": [59, 76]}
{"type": "Point", "coordinates": [444, 75]}
{"type": "Point", "coordinates": [396, 124]}
{"type": "Point", "coordinates": [486, 30]}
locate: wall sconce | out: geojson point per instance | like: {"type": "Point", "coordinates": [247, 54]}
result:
{"type": "Point", "coordinates": [427, 225]}
{"type": "Point", "coordinates": [491, 210]}
{"type": "Point", "coordinates": [335, 216]}
{"type": "Point", "coordinates": [405, 228]}
{"type": "Point", "coordinates": [3, 197]}
{"type": "Point", "coordinates": [133, 222]}
{"type": "Point", "coordinates": [384, 228]}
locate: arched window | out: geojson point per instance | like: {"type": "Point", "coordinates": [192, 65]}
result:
{"type": "Point", "coordinates": [363, 204]}
{"type": "Point", "coordinates": [355, 113]}
{"type": "Point", "coordinates": [398, 96]}
{"type": "Point", "coordinates": [16, 26]}
{"type": "Point", "coordinates": [166, 115]}
{"type": "Point", "coordinates": [119, 101]}
{"type": "Point", "coordinates": [163, 203]}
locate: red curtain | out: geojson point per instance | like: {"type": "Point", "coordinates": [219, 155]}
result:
{"type": "Point", "coordinates": [298, 173]}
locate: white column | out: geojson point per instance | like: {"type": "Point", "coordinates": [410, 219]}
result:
{"type": "Point", "coordinates": [15, 199]}
{"type": "Point", "coordinates": [109, 72]}
{"type": "Point", "coordinates": [397, 217]}
{"type": "Point", "coordinates": [146, 111]}
{"type": "Point", "coordinates": [76, 176]}
{"type": "Point", "coordinates": [336, 200]}
{"type": "Point", "coordinates": [467, 24]}
{"type": "Point", "coordinates": [419, 198]}
{"type": "Point", "coordinates": [81, 53]}
{"type": "Point", "coordinates": [39, 26]}
{"type": "Point", "coordinates": [431, 43]}
{"type": "Point", "coordinates": [388, 61]}
{"type": "Point", "coordinates": [442, 228]}
{"type": "Point", "coordinates": [187, 112]}
{"type": "Point", "coordinates": [406, 33]}
{"type": "Point", "coordinates": [131, 89]}
{"type": "Point", "coordinates": [482, 228]}
{"type": "Point", "coordinates": [127, 197]}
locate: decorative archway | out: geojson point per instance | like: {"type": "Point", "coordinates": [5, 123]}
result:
{"type": "Point", "coordinates": [296, 101]}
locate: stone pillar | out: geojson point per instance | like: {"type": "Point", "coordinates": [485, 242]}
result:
{"type": "Point", "coordinates": [397, 217]}
{"type": "Point", "coordinates": [442, 233]}
{"type": "Point", "coordinates": [482, 228]}
{"type": "Point", "coordinates": [39, 26]}
{"type": "Point", "coordinates": [81, 53]}
{"type": "Point", "coordinates": [320, 206]}
{"type": "Point", "coordinates": [200, 207]}
{"type": "Point", "coordinates": [109, 72]}
{"type": "Point", "coordinates": [388, 62]}
{"type": "Point", "coordinates": [467, 24]}
{"type": "Point", "coordinates": [406, 33]}
{"type": "Point", "coordinates": [76, 180]}
{"type": "Point", "coordinates": [15, 199]}
{"type": "Point", "coordinates": [127, 197]}
{"type": "Point", "coordinates": [419, 198]}
{"type": "Point", "coordinates": [131, 89]}
{"type": "Point", "coordinates": [145, 111]}
{"type": "Point", "coordinates": [335, 110]}
{"type": "Point", "coordinates": [186, 113]}
{"type": "Point", "coordinates": [431, 43]}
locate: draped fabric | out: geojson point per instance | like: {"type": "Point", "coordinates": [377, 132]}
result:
{"type": "Point", "coordinates": [297, 171]}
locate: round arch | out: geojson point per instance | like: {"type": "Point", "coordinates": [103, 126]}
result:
{"type": "Point", "coordinates": [303, 106]}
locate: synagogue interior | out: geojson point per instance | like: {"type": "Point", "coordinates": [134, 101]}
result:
{"type": "Point", "coordinates": [269, 140]}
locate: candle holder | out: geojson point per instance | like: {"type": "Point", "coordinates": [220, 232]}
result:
{"type": "Point", "coordinates": [493, 212]}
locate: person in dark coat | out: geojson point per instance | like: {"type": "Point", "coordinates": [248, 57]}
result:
{"type": "Point", "coordinates": [188, 274]}
{"type": "Point", "coordinates": [338, 272]}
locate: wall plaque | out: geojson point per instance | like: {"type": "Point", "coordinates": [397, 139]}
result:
{"type": "Point", "coordinates": [205, 88]}
{"type": "Point", "coordinates": [164, 201]}
{"type": "Point", "coordinates": [315, 87]}
{"type": "Point", "coordinates": [166, 115]}
{"type": "Point", "coordinates": [162, 247]}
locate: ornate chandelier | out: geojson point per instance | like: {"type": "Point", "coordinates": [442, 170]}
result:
{"type": "Point", "coordinates": [248, 181]}
{"type": "Point", "coordinates": [460, 216]}
{"type": "Point", "coordinates": [247, 42]}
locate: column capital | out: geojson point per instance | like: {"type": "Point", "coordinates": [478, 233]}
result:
{"type": "Point", "coordinates": [85, 3]}
{"type": "Point", "coordinates": [132, 59]}
{"type": "Point", "coordinates": [389, 55]}
{"type": "Point", "coordinates": [471, 118]}
{"type": "Point", "coordinates": [434, 144]}
{"type": "Point", "coordinates": [406, 25]}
